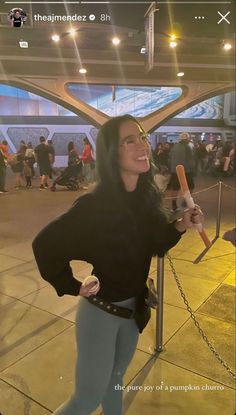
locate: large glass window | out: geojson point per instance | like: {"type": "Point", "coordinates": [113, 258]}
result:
{"type": "Point", "coordinates": [18, 102]}
{"type": "Point", "coordinates": [211, 109]}
{"type": "Point", "coordinates": [138, 101]}
{"type": "Point", "coordinates": [113, 101]}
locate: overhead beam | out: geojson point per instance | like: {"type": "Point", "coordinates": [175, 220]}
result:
{"type": "Point", "coordinates": [55, 90]}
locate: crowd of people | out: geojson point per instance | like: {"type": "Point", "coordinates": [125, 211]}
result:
{"type": "Point", "coordinates": [22, 163]}
{"type": "Point", "coordinates": [207, 158]}
{"type": "Point", "coordinates": [197, 158]}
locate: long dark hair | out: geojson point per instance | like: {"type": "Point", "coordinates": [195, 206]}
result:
{"type": "Point", "coordinates": [107, 165]}
{"type": "Point", "coordinates": [70, 146]}
{"type": "Point", "coordinates": [22, 149]}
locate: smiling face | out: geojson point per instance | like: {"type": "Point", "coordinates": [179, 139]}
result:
{"type": "Point", "coordinates": [134, 153]}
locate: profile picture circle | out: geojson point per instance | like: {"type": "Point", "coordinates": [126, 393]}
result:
{"type": "Point", "coordinates": [17, 17]}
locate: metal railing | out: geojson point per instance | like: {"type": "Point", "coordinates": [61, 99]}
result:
{"type": "Point", "coordinates": [160, 269]}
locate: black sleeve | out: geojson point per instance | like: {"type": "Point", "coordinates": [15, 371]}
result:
{"type": "Point", "coordinates": [64, 239]}
{"type": "Point", "coordinates": [166, 237]}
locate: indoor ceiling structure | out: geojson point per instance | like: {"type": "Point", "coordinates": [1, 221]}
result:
{"type": "Point", "coordinates": [199, 33]}
{"type": "Point", "coordinates": [199, 51]}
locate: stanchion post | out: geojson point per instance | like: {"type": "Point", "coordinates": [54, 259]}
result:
{"type": "Point", "coordinates": [159, 313]}
{"type": "Point", "coordinates": [219, 208]}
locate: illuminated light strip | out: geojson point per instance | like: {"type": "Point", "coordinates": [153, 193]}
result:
{"type": "Point", "coordinates": [40, 2]}
{"type": "Point", "coordinates": [159, 2]}
{"type": "Point", "coordinates": [116, 2]}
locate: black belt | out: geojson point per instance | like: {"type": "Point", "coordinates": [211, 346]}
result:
{"type": "Point", "coordinates": [111, 308]}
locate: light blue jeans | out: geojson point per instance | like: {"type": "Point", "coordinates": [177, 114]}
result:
{"type": "Point", "coordinates": [106, 345]}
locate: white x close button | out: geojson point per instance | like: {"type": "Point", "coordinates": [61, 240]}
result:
{"type": "Point", "coordinates": [223, 17]}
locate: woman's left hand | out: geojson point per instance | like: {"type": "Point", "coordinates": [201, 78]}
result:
{"type": "Point", "coordinates": [191, 218]}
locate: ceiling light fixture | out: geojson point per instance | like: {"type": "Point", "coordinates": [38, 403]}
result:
{"type": "Point", "coordinates": [180, 74]}
{"type": "Point", "coordinates": [82, 70]}
{"type": "Point", "coordinates": [116, 41]}
{"type": "Point", "coordinates": [227, 46]}
{"type": "Point", "coordinates": [173, 44]}
{"type": "Point", "coordinates": [23, 44]}
{"type": "Point", "coordinates": [55, 38]}
{"type": "Point", "coordinates": [72, 31]}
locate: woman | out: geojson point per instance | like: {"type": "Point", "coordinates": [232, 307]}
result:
{"type": "Point", "coordinates": [4, 154]}
{"type": "Point", "coordinates": [74, 163]}
{"type": "Point", "coordinates": [88, 161]}
{"type": "Point", "coordinates": [73, 157]}
{"type": "Point", "coordinates": [201, 158]}
{"type": "Point", "coordinates": [18, 167]}
{"type": "Point", "coordinates": [30, 158]}
{"type": "Point", "coordinates": [157, 155]}
{"type": "Point", "coordinates": [117, 228]}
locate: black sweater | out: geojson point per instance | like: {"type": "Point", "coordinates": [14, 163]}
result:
{"type": "Point", "coordinates": [119, 246]}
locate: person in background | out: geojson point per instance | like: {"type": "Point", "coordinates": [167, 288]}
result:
{"type": "Point", "coordinates": [211, 152]}
{"type": "Point", "coordinates": [73, 156]}
{"type": "Point", "coordinates": [27, 173]}
{"type": "Point", "coordinates": [30, 158]}
{"type": "Point", "coordinates": [52, 156]}
{"type": "Point", "coordinates": [166, 155]}
{"type": "Point", "coordinates": [201, 157]}
{"type": "Point", "coordinates": [3, 168]}
{"type": "Point", "coordinates": [218, 144]}
{"type": "Point", "coordinates": [75, 164]}
{"type": "Point", "coordinates": [232, 155]}
{"type": "Point", "coordinates": [157, 155]}
{"type": "Point", "coordinates": [228, 157]}
{"type": "Point", "coordinates": [4, 148]}
{"type": "Point", "coordinates": [43, 158]}
{"type": "Point", "coordinates": [18, 167]}
{"type": "Point", "coordinates": [161, 160]}
{"type": "Point", "coordinates": [218, 151]}
{"type": "Point", "coordinates": [3, 164]}
{"type": "Point", "coordinates": [181, 153]}
{"type": "Point", "coordinates": [209, 147]}
{"type": "Point", "coordinates": [118, 228]}
{"type": "Point", "coordinates": [191, 144]}
{"type": "Point", "coordinates": [88, 161]}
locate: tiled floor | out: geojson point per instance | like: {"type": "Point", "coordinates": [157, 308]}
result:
{"type": "Point", "coordinates": [37, 350]}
